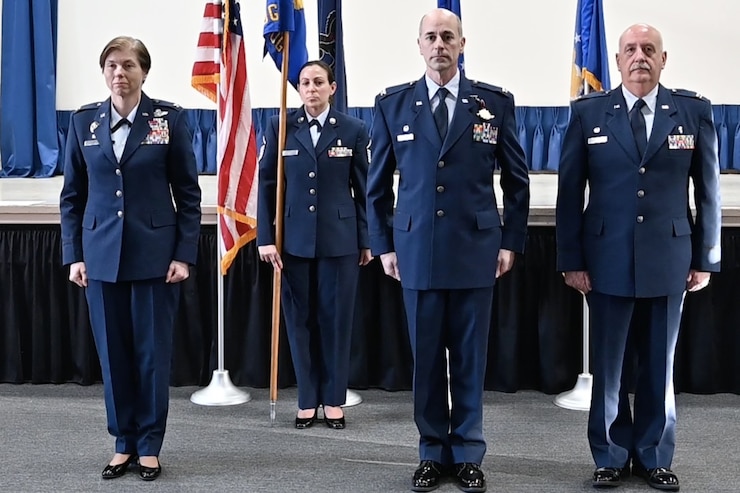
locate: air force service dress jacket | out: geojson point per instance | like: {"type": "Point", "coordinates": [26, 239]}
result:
{"type": "Point", "coordinates": [637, 236]}
{"type": "Point", "coordinates": [325, 213]}
{"type": "Point", "coordinates": [129, 220]}
{"type": "Point", "coordinates": [446, 229]}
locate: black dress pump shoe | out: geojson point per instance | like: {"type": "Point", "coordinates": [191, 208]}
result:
{"type": "Point", "coordinates": [303, 423]}
{"type": "Point", "coordinates": [149, 473]}
{"type": "Point", "coordinates": [113, 472]}
{"type": "Point", "coordinates": [335, 423]}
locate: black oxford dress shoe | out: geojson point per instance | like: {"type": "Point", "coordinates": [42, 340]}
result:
{"type": "Point", "coordinates": [149, 473]}
{"type": "Point", "coordinates": [470, 478]}
{"type": "Point", "coordinates": [608, 477]}
{"type": "Point", "coordinates": [113, 472]}
{"type": "Point", "coordinates": [426, 476]}
{"type": "Point", "coordinates": [660, 478]}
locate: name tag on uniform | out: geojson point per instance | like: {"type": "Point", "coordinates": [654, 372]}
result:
{"type": "Point", "coordinates": [290, 152]}
{"type": "Point", "coordinates": [92, 142]}
{"type": "Point", "coordinates": [601, 139]}
{"type": "Point", "coordinates": [485, 132]}
{"type": "Point", "coordinates": [340, 152]}
{"type": "Point", "coordinates": [404, 137]}
{"type": "Point", "coordinates": [681, 142]}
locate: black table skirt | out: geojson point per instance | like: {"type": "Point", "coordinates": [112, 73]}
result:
{"type": "Point", "coordinates": [535, 340]}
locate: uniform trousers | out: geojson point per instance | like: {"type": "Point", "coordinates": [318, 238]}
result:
{"type": "Point", "coordinates": [458, 320]}
{"type": "Point", "coordinates": [132, 324]}
{"type": "Point", "coordinates": [647, 328]}
{"type": "Point", "coordinates": [318, 297]}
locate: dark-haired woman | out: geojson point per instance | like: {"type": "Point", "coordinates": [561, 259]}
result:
{"type": "Point", "coordinates": [325, 239]}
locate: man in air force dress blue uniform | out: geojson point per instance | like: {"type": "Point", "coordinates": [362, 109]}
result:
{"type": "Point", "coordinates": [445, 240]}
{"type": "Point", "coordinates": [636, 248]}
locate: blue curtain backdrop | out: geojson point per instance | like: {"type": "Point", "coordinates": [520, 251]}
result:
{"type": "Point", "coordinates": [29, 141]}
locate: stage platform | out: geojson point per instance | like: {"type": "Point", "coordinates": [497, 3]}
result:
{"type": "Point", "coordinates": [535, 337]}
{"type": "Point", "coordinates": [36, 201]}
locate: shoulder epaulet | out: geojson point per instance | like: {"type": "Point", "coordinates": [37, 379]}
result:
{"type": "Point", "coordinates": [167, 104]}
{"type": "Point", "coordinates": [490, 87]}
{"type": "Point", "coordinates": [593, 94]}
{"type": "Point", "coordinates": [688, 94]}
{"type": "Point", "coordinates": [91, 106]}
{"type": "Point", "coordinates": [394, 89]}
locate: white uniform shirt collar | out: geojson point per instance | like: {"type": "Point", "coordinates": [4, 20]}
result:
{"type": "Point", "coordinates": [115, 117]}
{"type": "Point", "coordinates": [321, 118]}
{"type": "Point", "coordinates": [453, 86]}
{"type": "Point", "coordinates": [651, 99]}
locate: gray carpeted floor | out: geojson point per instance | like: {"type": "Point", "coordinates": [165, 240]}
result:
{"type": "Point", "coordinates": [54, 439]}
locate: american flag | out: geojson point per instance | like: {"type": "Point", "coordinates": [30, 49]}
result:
{"type": "Point", "coordinates": [220, 72]}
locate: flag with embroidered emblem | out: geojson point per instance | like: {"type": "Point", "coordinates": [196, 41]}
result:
{"type": "Point", "coordinates": [286, 16]}
{"type": "Point", "coordinates": [590, 71]}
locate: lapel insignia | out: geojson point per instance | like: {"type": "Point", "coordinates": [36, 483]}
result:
{"type": "Point", "coordinates": [332, 121]}
{"type": "Point", "coordinates": [664, 107]}
{"type": "Point", "coordinates": [300, 119]}
{"type": "Point", "coordinates": [419, 103]}
{"type": "Point", "coordinates": [147, 114]}
{"type": "Point", "coordinates": [617, 106]}
{"type": "Point", "coordinates": [464, 100]}
{"type": "Point", "coordinates": [93, 126]}
{"type": "Point", "coordinates": [158, 113]}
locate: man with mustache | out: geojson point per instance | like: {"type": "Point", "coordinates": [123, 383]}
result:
{"type": "Point", "coordinates": [636, 248]}
{"type": "Point", "coordinates": [445, 240]}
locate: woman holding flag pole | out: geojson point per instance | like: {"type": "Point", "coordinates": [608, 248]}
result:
{"type": "Point", "coordinates": [325, 238]}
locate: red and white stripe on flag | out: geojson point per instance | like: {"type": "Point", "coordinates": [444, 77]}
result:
{"type": "Point", "coordinates": [221, 39]}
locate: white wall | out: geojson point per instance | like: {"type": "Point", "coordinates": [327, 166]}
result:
{"type": "Point", "coordinates": [524, 45]}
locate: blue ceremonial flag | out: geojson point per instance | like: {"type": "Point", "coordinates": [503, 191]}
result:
{"type": "Point", "coordinates": [331, 47]}
{"type": "Point", "coordinates": [286, 16]}
{"type": "Point", "coordinates": [453, 6]}
{"type": "Point", "coordinates": [590, 57]}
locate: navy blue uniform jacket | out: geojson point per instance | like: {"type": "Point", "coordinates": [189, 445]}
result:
{"type": "Point", "coordinates": [446, 229]}
{"type": "Point", "coordinates": [637, 236]}
{"type": "Point", "coordinates": [324, 212]}
{"type": "Point", "coordinates": [129, 220]}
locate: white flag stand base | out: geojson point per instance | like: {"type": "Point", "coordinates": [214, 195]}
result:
{"type": "Point", "coordinates": [579, 398]}
{"type": "Point", "coordinates": [353, 399]}
{"type": "Point", "coordinates": [220, 392]}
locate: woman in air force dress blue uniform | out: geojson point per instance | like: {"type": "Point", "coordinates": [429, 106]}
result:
{"type": "Point", "coordinates": [325, 238]}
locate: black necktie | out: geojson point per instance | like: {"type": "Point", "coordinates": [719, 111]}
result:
{"type": "Point", "coordinates": [119, 124]}
{"type": "Point", "coordinates": [315, 123]}
{"type": "Point", "coordinates": [637, 122]}
{"type": "Point", "coordinates": [440, 112]}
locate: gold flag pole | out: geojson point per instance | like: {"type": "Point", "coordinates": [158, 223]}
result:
{"type": "Point", "coordinates": [279, 208]}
